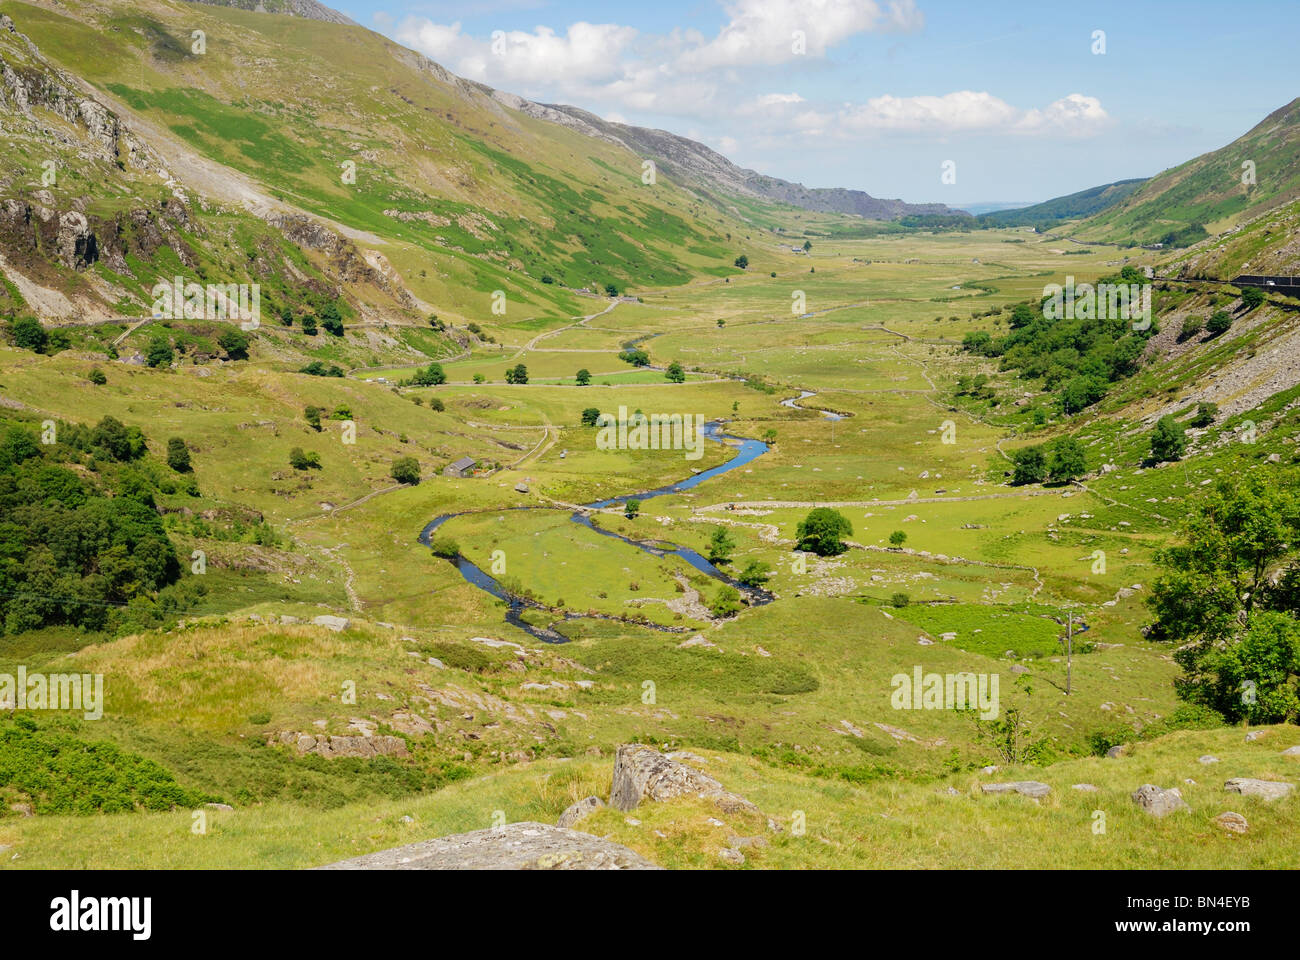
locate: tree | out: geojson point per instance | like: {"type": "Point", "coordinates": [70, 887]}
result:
{"type": "Point", "coordinates": [1081, 392]}
{"type": "Point", "coordinates": [309, 325]}
{"type": "Point", "coordinates": [807, 246]}
{"type": "Point", "coordinates": [1251, 297]}
{"type": "Point", "coordinates": [631, 509]}
{"type": "Point", "coordinates": [584, 377]}
{"type": "Point", "coordinates": [726, 603]}
{"type": "Point", "coordinates": [769, 436]}
{"type": "Point", "coordinates": [286, 315]}
{"type": "Point", "coordinates": [1219, 323]}
{"type": "Point", "coordinates": [742, 261]}
{"type": "Point", "coordinates": [755, 574]}
{"type": "Point", "coordinates": [312, 416]}
{"type": "Point", "coordinates": [96, 376]}
{"type": "Point", "coordinates": [822, 532]}
{"type": "Point", "coordinates": [1029, 465]}
{"type": "Point", "coordinates": [331, 319]}
{"type": "Point", "coordinates": [303, 461]}
{"type": "Point", "coordinates": [897, 539]}
{"type": "Point", "coordinates": [1205, 414]}
{"type": "Point", "coordinates": [635, 356]}
{"type": "Point", "coordinates": [430, 376]}
{"type": "Point", "coordinates": [159, 353]}
{"type": "Point", "coordinates": [1192, 327]}
{"type": "Point", "coordinates": [1068, 460]}
{"type": "Point", "coordinates": [675, 373]}
{"type": "Point", "coordinates": [406, 470]}
{"type": "Point", "coordinates": [1167, 441]}
{"type": "Point", "coordinates": [590, 416]}
{"type": "Point", "coordinates": [1228, 594]}
{"type": "Point", "coordinates": [444, 547]}
{"type": "Point", "coordinates": [178, 455]}
{"type": "Point", "coordinates": [721, 546]}
{"type": "Point", "coordinates": [899, 600]}
{"type": "Point", "coordinates": [436, 405]}
{"type": "Point", "coordinates": [114, 440]}
{"type": "Point", "coordinates": [1022, 316]}
{"type": "Point", "coordinates": [611, 290]}
{"type": "Point", "coordinates": [235, 342]}
{"type": "Point", "coordinates": [517, 374]}
{"type": "Point", "coordinates": [28, 334]}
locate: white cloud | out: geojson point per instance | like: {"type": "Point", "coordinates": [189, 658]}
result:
{"type": "Point", "coordinates": [964, 111]}
{"type": "Point", "coordinates": [763, 32]}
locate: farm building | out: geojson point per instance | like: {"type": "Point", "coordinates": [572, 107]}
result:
{"type": "Point", "coordinates": [459, 468]}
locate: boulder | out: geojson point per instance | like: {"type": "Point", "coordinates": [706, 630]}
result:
{"type": "Point", "coordinates": [641, 773]}
{"type": "Point", "coordinates": [337, 624]}
{"type": "Point", "coordinates": [1119, 750]}
{"type": "Point", "coordinates": [514, 846]}
{"type": "Point", "coordinates": [728, 855]}
{"type": "Point", "coordinates": [1232, 822]}
{"type": "Point", "coordinates": [1026, 788]}
{"type": "Point", "coordinates": [1084, 787]}
{"type": "Point", "coordinates": [1264, 789]}
{"type": "Point", "coordinates": [1207, 759]}
{"type": "Point", "coordinates": [1158, 802]}
{"type": "Point", "coordinates": [1291, 752]}
{"type": "Point", "coordinates": [579, 811]}
{"type": "Point", "coordinates": [1255, 735]}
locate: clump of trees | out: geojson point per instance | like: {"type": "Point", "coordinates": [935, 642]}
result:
{"type": "Point", "coordinates": [1228, 598]}
{"type": "Point", "coordinates": [517, 374]}
{"type": "Point", "coordinates": [304, 460]}
{"type": "Point", "coordinates": [430, 376]}
{"type": "Point", "coordinates": [406, 470]}
{"type": "Point", "coordinates": [675, 373]}
{"type": "Point", "coordinates": [1061, 461]}
{"type": "Point", "coordinates": [822, 532]}
{"type": "Point", "coordinates": [318, 369]}
{"type": "Point", "coordinates": [635, 356]}
{"type": "Point", "coordinates": [1168, 441]}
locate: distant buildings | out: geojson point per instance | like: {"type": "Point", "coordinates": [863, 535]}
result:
{"type": "Point", "coordinates": [459, 468]}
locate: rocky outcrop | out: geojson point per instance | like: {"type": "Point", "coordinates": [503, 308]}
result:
{"type": "Point", "coordinates": [515, 846]}
{"type": "Point", "coordinates": [1158, 802]}
{"type": "Point", "coordinates": [641, 773]}
{"type": "Point", "coordinates": [334, 747]}
{"type": "Point", "coordinates": [1264, 789]}
{"type": "Point", "coordinates": [1026, 788]}
{"type": "Point", "coordinates": [579, 811]}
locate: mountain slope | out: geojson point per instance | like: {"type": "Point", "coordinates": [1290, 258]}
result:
{"type": "Point", "coordinates": [1082, 204]}
{"type": "Point", "coordinates": [1209, 191]}
{"type": "Point", "coordinates": [709, 171]}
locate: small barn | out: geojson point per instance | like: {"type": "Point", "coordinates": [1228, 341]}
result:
{"type": "Point", "coordinates": [459, 468]}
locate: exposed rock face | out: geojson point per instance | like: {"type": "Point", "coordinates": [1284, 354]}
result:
{"type": "Point", "coordinates": [1158, 802]}
{"type": "Point", "coordinates": [1026, 788]}
{"type": "Point", "coordinates": [327, 746]}
{"type": "Point", "coordinates": [641, 773]}
{"type": "Point", "coordinates": [308, 9]}
{"type": "Point", "coordinates": [579, 811]}
{"type": "Point", "coordinates": [515, 846]}
{"type": "Point", "coordinates": [1264, 789]}
{"type": "Point", "coordinates": [337, 624]}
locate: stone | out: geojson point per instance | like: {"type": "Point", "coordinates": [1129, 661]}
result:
{"type": "Point", "coordinates": [1026, 788]}
{"type": "Point", "coordinates": [1269, 790]}
{"type": "Point", "coordinates": [219, 806]}
{"type": "Point", "coordinates": [1119, 750]}
{"type": "Point", "coordinates": [1019, 668]}
{"type": "Point", "coordinates": [731, 856]}
{"type": "Point", "coordinates": [1255, 735]}
{"type": "Point", "coordinates": [1084, 787]}
{"type": "Point", "coordinates": [1291, 752]}
{"type": "Point", "coordinates": [1158, 802]}
{"type": "Point", "coordinates": [1207, 759]}
{"type": "Point", "coordinates": [579, 811]}
{"type": "Point", "coordinates": [514, 846]}
{"type": "Point", "coordinates": [337, 624]}
{"type": "Point", "coordinates": [641, 773]}
{"type": "Point", "coordinates": [1232, 822]}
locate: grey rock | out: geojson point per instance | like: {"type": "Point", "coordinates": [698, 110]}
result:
{"type": "Point", "coordinates": [641, 773]}
{"type": "Point", "coordinates": [1026, 788]}
{"type": "Point", "coordinates": [1291, 752]}
{"type": "Point", "coordinates": [1084, 787]}
{"type": "Point", "coordinates": [515, 846]}
{"type": "Point", "coordinates": [1158, 802]}
{"type": "Point", "coordinates": [579, 811]}
{"type": "Point", "coordinates": [1255, 735]}
{"type": "Point", "coordinates": [1207, 759]}
{"type": "Point", "coordinates": [1119, 750]}
{"type": "Point", "coordinates": [337, 624]}
{"type": "Point", "coordinates": [1264, 789]}
{"type": "Point", "coordinates": [1232, 822]}
{"type": "Point", "coordinates": [729, 855]}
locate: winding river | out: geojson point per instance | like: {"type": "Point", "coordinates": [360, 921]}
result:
{"type": "Point", "coordinates": [747, 451]}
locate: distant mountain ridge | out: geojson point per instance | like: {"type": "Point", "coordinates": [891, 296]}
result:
{"type": "Point", "coordinates": [1084, 203]}
{"type": "Point", "coordinates": [292, 8]}
{"type": "Point", "coordinates": [708, 171]}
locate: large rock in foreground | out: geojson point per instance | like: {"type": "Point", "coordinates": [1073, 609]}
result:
{"type": "Point", "coordinates": [1158, 802]}
{"type": "Point", "coordinates": [641, 773]}
{"type": "Point", "coordinates": [515, 846]}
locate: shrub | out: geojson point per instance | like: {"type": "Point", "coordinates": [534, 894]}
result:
{"type": "Point", "coordinates": [178, 455]}
{"type": "Point", "coordinates": [822, 532]}
{"type": "Point", "coordinates": [300, 460]}
{"type": "Point", "coordinates": [406, 470]}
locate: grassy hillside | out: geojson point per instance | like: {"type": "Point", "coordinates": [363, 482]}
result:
{"type": "Point", "coordinates": [1212, 191]}
{"type": "Point", "coordinates": [1073, 206]}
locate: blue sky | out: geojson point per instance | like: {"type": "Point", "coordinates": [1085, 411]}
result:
{"type": "Point", "coordinates": [877, 95]}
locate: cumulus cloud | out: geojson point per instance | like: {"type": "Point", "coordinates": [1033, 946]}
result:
{"type": "Point", "coordinates": [764, 32]}
{"type": "Point", "coordinates": [964, 111]}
